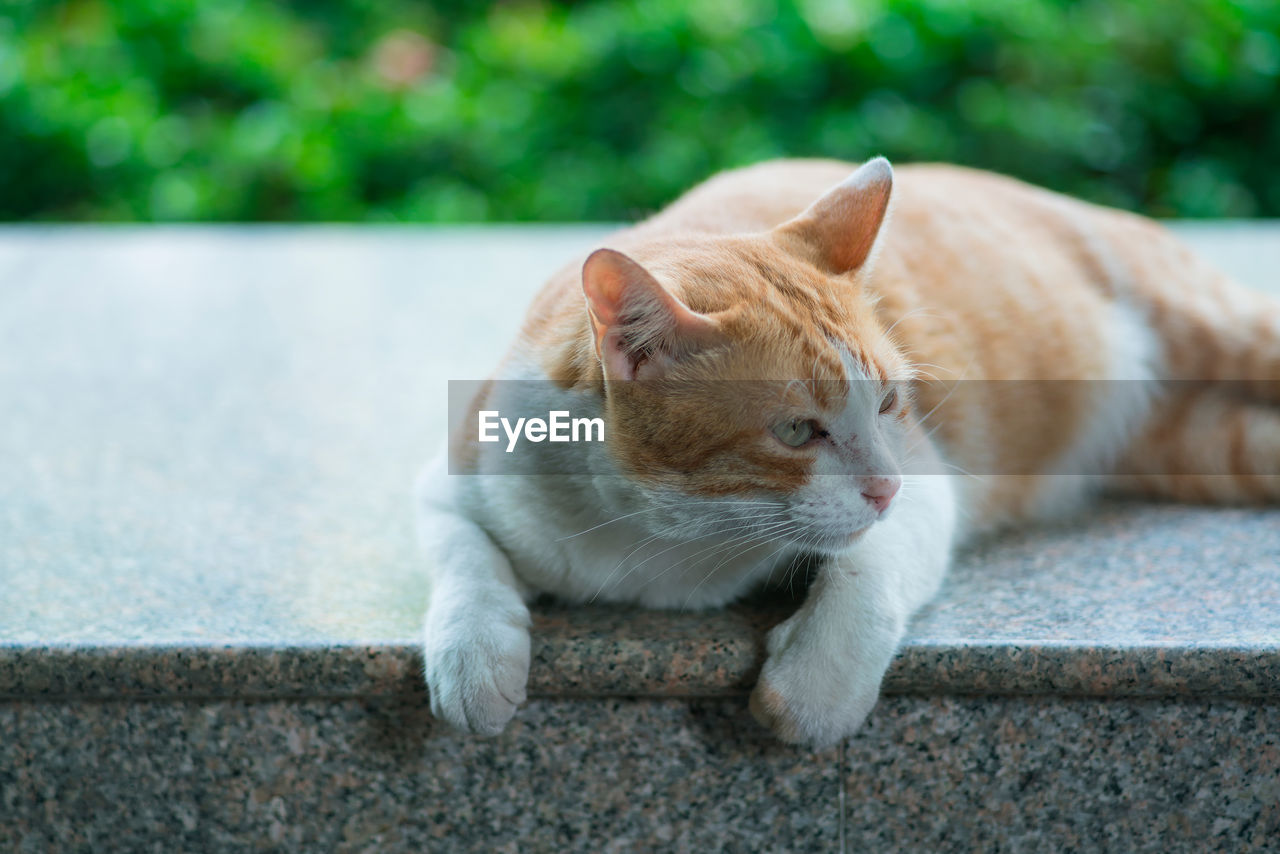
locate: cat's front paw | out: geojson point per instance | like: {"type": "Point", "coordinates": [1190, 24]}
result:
{"type": "Point", "coordinates": [477, 671]}
{"type": "Point", "coordinates": [813, 692]}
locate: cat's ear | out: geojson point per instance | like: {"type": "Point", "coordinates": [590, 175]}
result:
{"type": "Point", "coordinates": [838, 232]}
{"type": "Point", "coordinates": [640, 328]}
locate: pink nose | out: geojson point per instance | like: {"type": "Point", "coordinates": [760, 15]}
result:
{"type": "Point", "coordinates": [880, 491]}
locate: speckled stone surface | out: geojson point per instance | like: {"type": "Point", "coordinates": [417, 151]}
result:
{"type": "Point", "coordinates": [204, 491]}
{"type": "Point", "coordinates": [349, 776]}
{"type": "Point", "coordinates": [1053, 775]}
{"type": "Point", "coordinates": [927, 775]}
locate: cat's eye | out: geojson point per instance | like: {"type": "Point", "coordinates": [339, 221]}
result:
{"type": "Point", "coordinates": [889, 400]}
{"type": "Point", "coordinates": [795, 432]}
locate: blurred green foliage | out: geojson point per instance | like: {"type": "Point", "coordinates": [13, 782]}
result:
{"type": "Point", "coordinates": [605, 109]}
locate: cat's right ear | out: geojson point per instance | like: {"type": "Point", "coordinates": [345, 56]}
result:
{"type": "Point", "coordinates": [640, 328]}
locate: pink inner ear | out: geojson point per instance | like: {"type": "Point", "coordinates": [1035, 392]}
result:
{"type": "Point", "coordinates": [604, 281]}
{"type": "Point", "coordinates": [640, 328]}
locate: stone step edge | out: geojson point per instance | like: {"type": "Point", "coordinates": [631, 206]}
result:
{"type": "Point", "coordinates": [619, 667]}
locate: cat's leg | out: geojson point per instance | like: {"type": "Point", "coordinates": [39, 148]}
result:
{"type": "Point", "coordinates": [825, 664]}
{"type": "Point", "coordinates": [476, 649]}
{"type": "Point", "coordinates": [1203, 446]}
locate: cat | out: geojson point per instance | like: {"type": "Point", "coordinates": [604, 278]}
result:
{"type": "Point", "coordinates": [824, 313]}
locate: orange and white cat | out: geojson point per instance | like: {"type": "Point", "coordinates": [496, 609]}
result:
{"type": "Point", "coordinates": [776, 356]}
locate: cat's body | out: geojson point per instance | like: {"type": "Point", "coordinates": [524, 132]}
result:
{"type": "Point", "coordinates": [759, 359]}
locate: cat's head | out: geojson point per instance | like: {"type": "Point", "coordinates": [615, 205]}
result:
{"type": "Point", "coordinates": [747, 375]}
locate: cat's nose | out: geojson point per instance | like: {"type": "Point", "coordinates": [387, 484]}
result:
{"type": "Point", "coordinates": [879, 491]}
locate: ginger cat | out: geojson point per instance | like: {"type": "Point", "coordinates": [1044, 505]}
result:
{"type": "Point", "coordinates": [776, 356]}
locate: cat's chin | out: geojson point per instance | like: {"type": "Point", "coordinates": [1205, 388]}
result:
{"type": "Point", "coordinates": [834, 545]}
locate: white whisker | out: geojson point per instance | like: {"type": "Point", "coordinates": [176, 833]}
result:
{"type": "Point", "coordinates": [768, 532]}
{"type": "Point", "coordinates": [755, 521]}
{"type": "Point", "coordinates": [785, 545]}
{"type": "Point", "coordinates": [911, 313]}
{"type": "Point", "coordinates": [673, 503]}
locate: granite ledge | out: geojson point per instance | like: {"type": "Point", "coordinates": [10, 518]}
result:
{"type": "Point", "coordinates": [285, 566]}
{"type": "Point", "coordinates": [614, 652]}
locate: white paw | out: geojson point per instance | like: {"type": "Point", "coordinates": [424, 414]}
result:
{"type": "Point", "coordinates": [815, 690]}
{"type": "Point", "coordinates": [477, 669]}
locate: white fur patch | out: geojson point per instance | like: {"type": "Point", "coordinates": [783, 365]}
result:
{"type": "Point", "coordinates": [1123, 402]}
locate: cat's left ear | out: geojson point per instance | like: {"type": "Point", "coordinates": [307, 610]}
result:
{"type": "Point", "coordinates": [839, 231]}
{"type": "Point", "coordinates": [640, 328]}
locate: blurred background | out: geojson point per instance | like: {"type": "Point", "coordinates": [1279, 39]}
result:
{"type": "Point", "coordinates": [447, 111]}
